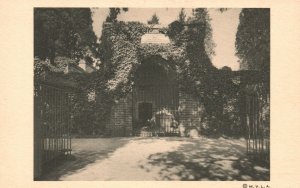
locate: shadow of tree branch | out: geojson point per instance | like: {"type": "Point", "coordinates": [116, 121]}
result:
{"type": "Point", "coordinates": [209, 160]}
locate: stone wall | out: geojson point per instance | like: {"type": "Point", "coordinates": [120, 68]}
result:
{"type": "Point", "coordinates": [120, 120]}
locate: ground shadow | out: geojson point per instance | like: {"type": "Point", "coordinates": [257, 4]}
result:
{"type": "Point", "coordinates": [85, 152]}
{"type": "Point", "coordinates": [165, 158]}
{"type": "Point", "coordinates": [210, 160]}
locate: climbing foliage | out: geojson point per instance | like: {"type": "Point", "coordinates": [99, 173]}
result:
{"type": "Point", "coordinates": [121, 52]}
{"type": "Point", "coordinates": [186, 54]}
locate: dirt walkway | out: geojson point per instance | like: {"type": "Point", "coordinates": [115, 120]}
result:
{"type": "Point", "coordinates": [158, 159]}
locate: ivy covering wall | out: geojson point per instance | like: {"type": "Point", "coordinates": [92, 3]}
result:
{"type": "Point", "coordinates": [121, 53]}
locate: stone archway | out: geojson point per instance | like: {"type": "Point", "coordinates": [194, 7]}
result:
{"type": "Point", "coordinates": [155, 87]}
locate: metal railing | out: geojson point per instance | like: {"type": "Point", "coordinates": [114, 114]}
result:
{"type": "Point", "coordinates": [52, 124]}
{"type": "Point", "coordinates": [258, 129]}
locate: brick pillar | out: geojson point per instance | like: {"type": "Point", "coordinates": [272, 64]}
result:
{"type": "Point", "coordinates": [189, 111]}
{"type": "Point", "coordinates": [120, 121]}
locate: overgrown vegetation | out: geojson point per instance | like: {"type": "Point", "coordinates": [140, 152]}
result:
{"type": "Point", "coordinates": [63, 32]}
{"type": "Point", "coordinates": [253, 49]}
{"type": "Point", "coordinates": [253, 39]}
{"type": "Point", "coordinates": [63, 36]}
{"type": "Point", "coordinates": [189, 54]}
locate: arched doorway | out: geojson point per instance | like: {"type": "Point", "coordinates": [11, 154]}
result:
{"type": "Point", "coordinates": [155, 92]}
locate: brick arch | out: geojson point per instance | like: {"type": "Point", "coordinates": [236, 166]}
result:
{"type": "Point", "coordinates": [158, 65]}
{"type": "Point", "coordinates": [155, 83]}
{"type": "Point", "coordinates": [186, 109]}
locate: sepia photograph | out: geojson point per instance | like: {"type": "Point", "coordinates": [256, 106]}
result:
{"type": "Point", "coordinates": [151, 94]}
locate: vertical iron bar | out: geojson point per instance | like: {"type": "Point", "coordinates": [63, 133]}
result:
{"type": "Point", "coordinates": [61, 120]}
{"type": "Point", "coordinates": [50, 95]}
{"type": "Point", "coordinates": [255, 122]}
{"type": "Point", "coordinates": [253, 125]}
{"type": "Point", "coordinates": [262, 127]}
{"type": "Point", "coordinates": [55, 123]}
{"type": "Point", "coordinates": [247, 126]}
{"type": "Point", "coordinates": [42, 127]}
{"type": "Point", "coordinates": [47, 122]}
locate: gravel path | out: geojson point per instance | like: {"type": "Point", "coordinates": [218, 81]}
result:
{"type": "Point", "coordinates": [170, 158]}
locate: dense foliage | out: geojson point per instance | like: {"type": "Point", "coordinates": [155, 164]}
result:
{"type": "Point", "coordinates": [253, 39]}
{"type": "Point", "coordinates": [64, 32]}
{"type": "Point", "coordinates": [182, 16]}
{"type": "Point", "coordinates": [201, 15]}
{"type": "Point", "coordinates": [121, 52]}
{"type": "Point", "coordinates": [83, 108]}
{"type": "Point", "coordinates": [189, 54]}
{"type": "Point", "coordinates": [113, 14]}
{"type": "Point", "coordinates": [253, 49]}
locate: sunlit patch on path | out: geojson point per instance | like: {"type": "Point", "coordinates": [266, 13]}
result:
{"type": "Point", "coordinates": [159, 159]}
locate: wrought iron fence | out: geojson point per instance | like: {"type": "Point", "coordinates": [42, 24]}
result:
{"type": "Point", "coordinates": [164, 123]}
{"type": "Point", "coordinates": [168, 122]}
{"type": "Point", "coordinates": [258, 123]}
{"type": "Point", "coordinates": [52, 124]}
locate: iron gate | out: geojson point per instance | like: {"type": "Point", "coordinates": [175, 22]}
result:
{"type": "Point", "coordinates": [52, 124]}
{"type": "Point", "coordinates": [257, 120]}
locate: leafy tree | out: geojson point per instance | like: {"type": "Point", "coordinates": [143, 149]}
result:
{"type": "Point", "coordinates": [64, 32]}
{"type": "Point", "coordinates": [154, 20]}
{"type": "Point", "coordinates": [182, 16]}
{"type": "Point", "coordinates": [176, 27]}
{"type": "Point", "coordinates": [113, 14]}
{"type": "Point", "coordinates": [200, 20]}
{"type": "Point", "coordinates": [215, 89]}
{"type": "Point", "coordinates": [175, 31]}
{"type": "Point", "coordinates": [253, 49]}
{"type": "Point", "coordinates": [253, 39]}
{"type": "Point", "coordinates": [201, 15]}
